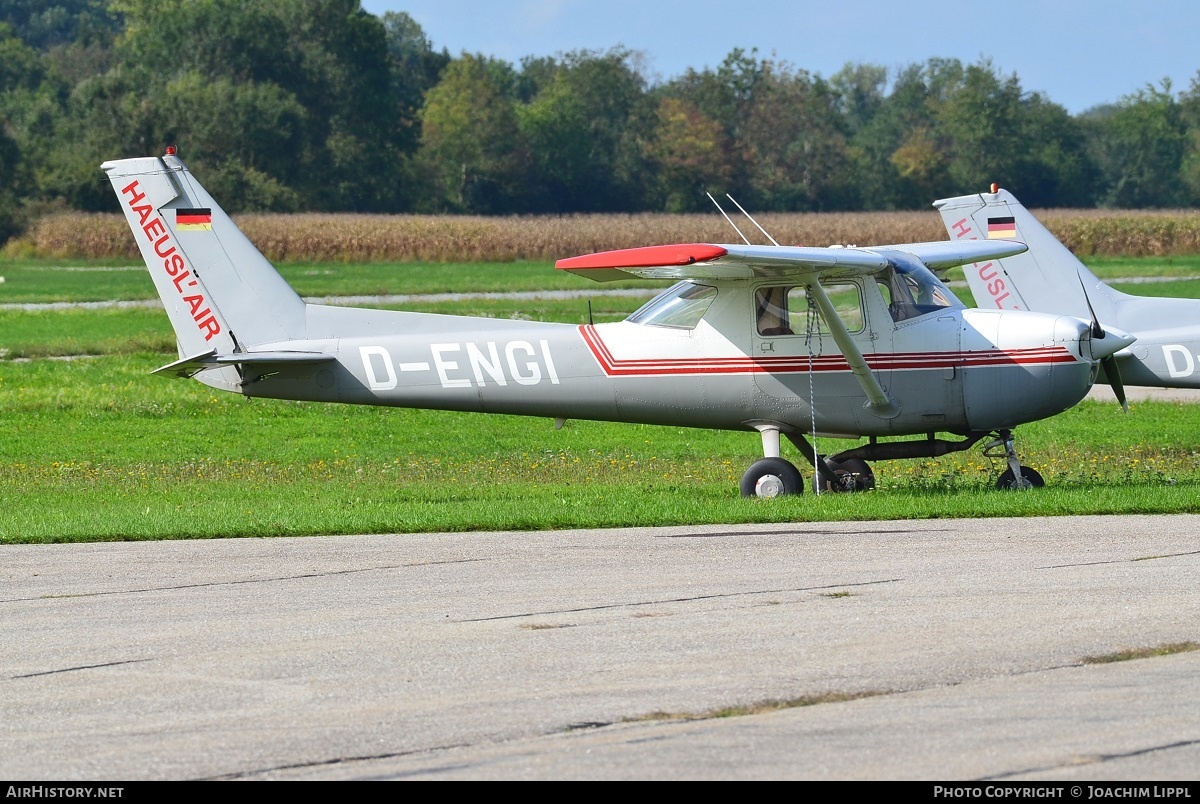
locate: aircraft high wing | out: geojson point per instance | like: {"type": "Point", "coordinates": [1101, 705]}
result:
{"type": "Point", "coordinates": [1049, 278]}
{"type": "Point", "coordinates": [785, 341]}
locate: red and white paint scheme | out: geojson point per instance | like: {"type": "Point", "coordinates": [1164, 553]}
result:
{"type": "Point", "coordinates": [793, 342]}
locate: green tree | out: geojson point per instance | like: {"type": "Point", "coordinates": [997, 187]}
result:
{"type": "Point", "coordinates": [909, 153]}
{"type": "Point", "coordinates": [44, 24]}
{"type": "Point", "coordinates": [288, 103]}
{"type": "Point", "coordinates": [691, 154]}
{"type": "Point", "coordinates": [1143, 145]}
{"type": "Point", "coordinates": [472, 141]}
{"type": "Point", "coordinates": [355, 120]}
{"type": "Point", "coordinates": [416, 66]}
{"type": "Point", "coordinates": [794, 143]}
{"type": "Point", "coordinates": [10, 184]}
{"type": "Point", "coordinates": [947, 128]}
{"type": "Point", "coordinates": [1189, 108]}
{"type": "Point", "coordinates": [22, 74]}
{"type": "Point", "coordinates": [586, 129]}
{"type": "Point", "coordinates": [248, 140]}
{"type": "Point", "coordinates": [1057, 169]}
{"type": "Point", "coordinates": [859, 91]}
{"type": "Point", "coordinates": [980, 117]}
{"type": "Point", "coordinates": [724, 95]}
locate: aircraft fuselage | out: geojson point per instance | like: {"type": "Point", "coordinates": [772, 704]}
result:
{"type": "Point", "coordinates": [956, 371]}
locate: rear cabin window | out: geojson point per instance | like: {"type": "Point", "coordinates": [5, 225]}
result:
{"type": "Point", "coordinates": [784, 309]}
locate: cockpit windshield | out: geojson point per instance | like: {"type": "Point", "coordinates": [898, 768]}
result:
{"type": "Point", "coordinates": [681, 306]}
{"type": "Point", "coordinates": [911, 289]}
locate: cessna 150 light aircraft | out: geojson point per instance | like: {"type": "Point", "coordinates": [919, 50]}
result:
{"type": "Point", "coordinates": [841, 341]}
{"type": "Point", "coordinates": [1049, 278]}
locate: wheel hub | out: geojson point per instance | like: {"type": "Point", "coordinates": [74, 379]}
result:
{"type": "Point", "coordinates": [769, 486]}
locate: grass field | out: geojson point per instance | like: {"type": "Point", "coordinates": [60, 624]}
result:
{"type": "Point", "coordinates": [96, 449]}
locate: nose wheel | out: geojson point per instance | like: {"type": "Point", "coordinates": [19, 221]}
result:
{"type": "Point", "coordinates": [1029, 479]}
{"type": "Point", "coordinates": [1016, 477]}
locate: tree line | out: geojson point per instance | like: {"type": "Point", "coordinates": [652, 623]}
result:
{"type": "Point", "coordinates": [317, 105]}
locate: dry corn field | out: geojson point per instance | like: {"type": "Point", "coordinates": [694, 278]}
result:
{"type": "Point", "coordinates": [433, 238]}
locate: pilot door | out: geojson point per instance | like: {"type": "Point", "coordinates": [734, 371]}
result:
{"type": "Point", "coordinates": [797, 356]}
{"type": "Point", "coordinates": [924, 343]}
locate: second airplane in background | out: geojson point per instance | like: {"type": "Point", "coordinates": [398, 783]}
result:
{"type": "Point", "coordinates": [1049, 278]}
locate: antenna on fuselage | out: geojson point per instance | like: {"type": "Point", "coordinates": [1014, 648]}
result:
{"type": "Point", "coordinates": [731, 223]}
{"type": "Point", "coordinates": [747, 214]}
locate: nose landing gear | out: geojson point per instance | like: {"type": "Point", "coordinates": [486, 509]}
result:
{"type": "Point", "coordinates": [1016, 477]}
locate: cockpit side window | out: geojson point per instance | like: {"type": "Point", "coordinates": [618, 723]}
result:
{"type": "Point", "coordinates": [911, 290]}
{"type": "Point", "coordinates": [681, 306]}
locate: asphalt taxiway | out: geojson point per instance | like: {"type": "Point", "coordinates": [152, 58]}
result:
{"type": "Point", "coordinates": [992, 649]}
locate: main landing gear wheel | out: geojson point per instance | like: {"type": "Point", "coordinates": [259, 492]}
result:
{"type": "Point", "coordinates": [852, 475]}
{"type": "Point", "coordinates": [1030, 479]}
{"type": "Point", "coordinates": [771, 477]}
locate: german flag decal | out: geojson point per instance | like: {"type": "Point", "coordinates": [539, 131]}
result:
{"type": "Point", "coordinates": [1002, 228]}
{"type": "Point", "coordinates": [193, 220]}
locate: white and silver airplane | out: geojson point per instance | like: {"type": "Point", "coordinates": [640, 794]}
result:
{"type": "Point", "coordinates": [1048, 278]}
{"type": "Point", "coordinates": [839, 342]}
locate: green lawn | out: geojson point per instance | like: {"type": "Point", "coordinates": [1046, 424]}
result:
{"type": "Point", "coordinates": [94, 448]}
{"type": "Point", "coordinates": [29, 280]}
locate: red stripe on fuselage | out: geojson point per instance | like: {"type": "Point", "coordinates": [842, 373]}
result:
{"type": "Point", "coordinates": [649, 367]}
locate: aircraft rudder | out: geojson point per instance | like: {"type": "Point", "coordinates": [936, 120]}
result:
{"type": "Point", "coordinates": [145, 188]}
{"type": "Point", "coordinates": [183, 235]}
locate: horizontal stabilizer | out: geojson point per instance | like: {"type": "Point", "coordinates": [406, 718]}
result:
{"type": "Point", "coordinates": [190, 366]}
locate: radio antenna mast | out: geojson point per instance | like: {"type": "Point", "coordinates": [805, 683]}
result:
{"type": "Point", "coordinates": [731, 223]}
{"type": "Point", "coordinates": [747, 214]}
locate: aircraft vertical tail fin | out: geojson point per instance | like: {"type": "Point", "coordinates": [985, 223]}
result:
{"type": "Point", "coordinates": [219, 291]}
{"type": "Point", "coordinates": [1046, 278]}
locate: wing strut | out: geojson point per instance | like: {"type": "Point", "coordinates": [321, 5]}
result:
{"type": "Point", "coordinates": [878, 401]}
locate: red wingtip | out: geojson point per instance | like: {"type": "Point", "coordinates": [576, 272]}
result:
{"type": "Point", "coordinates": [645, 257]}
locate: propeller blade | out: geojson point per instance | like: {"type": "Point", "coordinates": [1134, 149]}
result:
{"type": "Point", "coordinates": [1097, 330]}
{"type": "Point", "coordinates": [1114, 379]}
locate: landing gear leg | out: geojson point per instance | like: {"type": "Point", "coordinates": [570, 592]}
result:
{"type": "Point", "coordinates": [826, 478]}
{"type": "Point", "coordinates": [1016, 476]}
{"type": "Point", "coordinates": [852, 475]}
{"type": "Point", "coordinates": [831, 474]}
